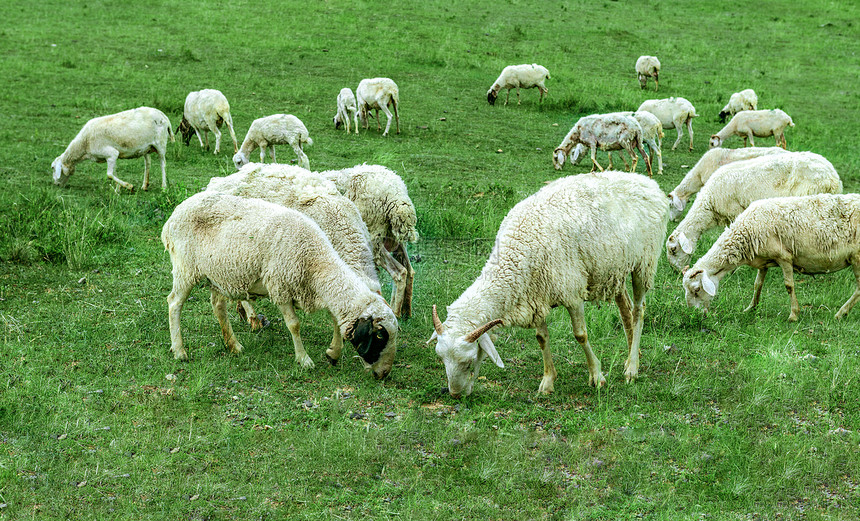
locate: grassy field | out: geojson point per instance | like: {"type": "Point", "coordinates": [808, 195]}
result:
{"type": "Point", "coordinates": [735, 415]}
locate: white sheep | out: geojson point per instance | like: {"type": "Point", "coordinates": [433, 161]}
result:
{"type": "Point", "coordinates": [648, 67]}
{"type": "Point", "coordinates": [810, 234]}
{"type": "Point", "coordinates": [314, 196]}
{"type": "Point", "coordinates": [378, 94]}
{"type": "Point", "coordinates": [673, 113]}
{"type": "Point", "coordinates": [607, 131]}
{"type": "Point", "coordinates": [739, 101]}
{"type": "Point", "coordinates": [278, 129]}
{"type": "Point", "coordinates": [733, 187]}
{"type": "Point", "coordinates": [652, 137]}
{"type": "Point", "coordinates": [385, 206]}
{"type": "Point", "coordinates": [577, 239]}
{"type": "Point", "coordinates": [124, 135]}
{"type": "Point", "coordinates": [707, 165]}
{"type": "Point", "coordinates": [519, 76]}
{"type": "Point", "coordinates": [758, 123]}
{"type": "Point", "coordinates": [252, 248]}
{"type": "Point", "coordinates": [206, 110]}
{"type": "Point", "coordinates": [346, 109]}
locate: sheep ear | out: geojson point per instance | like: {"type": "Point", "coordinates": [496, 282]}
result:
{"type": "Point", "coordinates": [708, 285]}
{"type": "Point", "coordinates": [686, 245]}
{"type": "Point", "coordinates": [433, 337]}
{"type": "Point", "coordinates": [487, 346]}
{"type": "Point", "coordinates": [679, 204]}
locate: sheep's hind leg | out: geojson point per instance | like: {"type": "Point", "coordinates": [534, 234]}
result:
{"type": "Point", "coordinates": [759, 282]}
{"type": "Point", "coordinates": [294, 326]}
{"type": "Point", "coordinates": [175, 300]}
{"type": "Point", "coordinates": [388, 115]}
{"type": "Point", "coordinates": [855, 265]}
{"type": "Point", "coordinates": [549, 373]}
{"type": "Point", "coordinates": [219, 307]}
{"type": "Point", "coordinates": [788, 278]}
{"type": "Point", "coordinates": [147, 162]}
{"type": "Point", "coordinates": [577, 321]}
{"type": "Point", "coordinates": [631, 366]}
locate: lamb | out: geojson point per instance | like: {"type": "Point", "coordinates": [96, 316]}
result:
{"type": "Point", "coordinates": [378, 94]}
{"type": "Point", "coordinates": [733, 187]}
{"type": "Point", "coordinates": [707, 165]}
{"type": "Point", "coordinates": [206, 110]}
{"type": "Point", "coordinates": [743, 100]}
{"type": "Point", "coordinates": [314, 196]}
{"type": "Point", "coordinates": [652, 136]}
{"type": "Point", "coordinates": [124, 135]}
{"type": "Point", "coordinates": [577, 239]}
{"type": "Point", "coordinates": [809, 234]}
{"type": "Point", "coordinates": [345, 109]}
{"type": "Point", "coordinates": [609, 132]}
{"type": "Point", "coordinates": [648, 67]}
{"type": "Point", "coordinates": [278, 129]}
{"type": "Point", "coordinates": [385, 206]}
{"type": "Point", "coordinates": [250, 247]}
{"type": "Point", "coordinates": [672, 113]}
{"type": "Point", "coordinates": [516, 76]}
{"type": "Point", "coordinates": [758, 123]}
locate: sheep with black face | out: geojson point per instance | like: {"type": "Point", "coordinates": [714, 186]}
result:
{"type": "Point", "coordinates": [250, 248]}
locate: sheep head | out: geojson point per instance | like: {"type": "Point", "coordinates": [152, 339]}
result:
{"type": "Point", "coordinates": [558, 157]}
{"type": "Point", "coordinates": [699, 288]}
{"type": "Point", "coordinates": [723, 115]}
{"type": "Point", "coordinates": [61, 172]}
{"type": "Point", "coordinates": [374, 336]}
{"type": "Point", "coordinates": [186, 130]}
{"type": "Point", "coordinates": [676, 206]}
{"type": "Point", "coordinates": [240, 160]}
{"type": "Point", "coordinates": [337, 122]}
{"type": "Point", "coordinates": [679, 249]}
{"type": "Point", "coordinates": [715, 142]}
{"type": "Point", "coordinates": [463, 354]}
{"type": "Point", "coordinates": [492, 94]}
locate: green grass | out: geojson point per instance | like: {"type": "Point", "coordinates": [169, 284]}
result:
{"type": "Point", "coordinates": [735, 415]}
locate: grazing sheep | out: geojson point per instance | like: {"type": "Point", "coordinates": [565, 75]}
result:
{"type": "Point", "coordinates": [652, 136]}
{"type": "Point", "coordinates": [378, 94]}
{"type": "Point", "coordinates": [758, 123]}
{"type": "Point", "coordinates": [733, 187]}
{"type": "Point", "coordinates": [517, 76]}
{"type": "Point", "coordinates": [810, 234]}
{"type": "Point", "coordinates": [386, 208]}
{"type": "Point", "coordinates": [577, 239]}
{"type": "Point", "coordinates": [346, 109]}
{"type": "Point", "coordinates": [124, 135]}
{"type": "Point", "coordinates": [648, 67]}
{"type": "Point", "coordinates": [607, 131]}
{"type": "Point", "coordinates": [314, 196]}
{"type": "Point", "coordinates": [206, 110]}
{"type": "Point", "coordinates": [278, 129]}
{"type": "Point", "coordinates": [739, 101]}
{"type": "Point", "coordinates": [672, 113]}
{"type": "Point", "coordinates": [707, 165]}
{"type": "Point", "coordinates": [252, 248]}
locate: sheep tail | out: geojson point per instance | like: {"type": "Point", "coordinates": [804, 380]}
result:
{"type": "Point", "coordinates": [790, 122]}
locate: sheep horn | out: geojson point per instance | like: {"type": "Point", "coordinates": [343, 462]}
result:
{"type": "Point", "coordinates": [474, 335]}
{"type": "Point", "coordinates": [437, 324]}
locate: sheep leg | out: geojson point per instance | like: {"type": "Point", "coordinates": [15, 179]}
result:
{"type": "Point", "coordinates": [206, 136]}
{"type": "Point", "coordinates": [303, 159]}
{"type": "Point", "coordinates": [111, 165]}
{"type": "Point", "coordinates": [272, 153]}
{"type": "Point", "coordinates": [680, 130]}
{"type": "Point", "coordinates": [355, 120]}
{"type": "Point", "coordinates": [217, 132]}
{"type": "Point", "coordinates": [247, 312]}
{"type": "Point", "coordinates": [855, 265]}
{"type": "Point", "coordinates": [378, 124]}
{"type": "Point", "coordinates": [759, 282]}
{"type": "Point", "coordinates": [594, 160]}
{"type": "Point", "coordinates": [219, 307]}
{"type": "Point", "coordinates": [397, 117]}
{"type": "Point", "coordinates": [388, 115]}
{"type": "Point", "coordinates": [262, 152]}
{"type": "Point", "coordinates": [402, 256]}
{"type": "Point", "coordinates": [549, 373]}
{"type": "Point", "coordinates": [653, 148]}
{"type": "Point", "coordinates": [294, 325]}
{"type": "Point", "coordinates": [542, 92]}
{"type": "Point", "coordinates": [656, 83]}
{"type": "Point", "coordinates": [647, 159]}
{"type": "Point", "coordinates": [518, 95]}
{"type": "Point", "coordinates": [752, 141]}
{"type": "Point", "coordinates": [163, 162]}
{"type": "Point", "coordinates": [175, 300]}
{"type": "Point", "coordinates": [625, 309]}
{"type": "Point", "coordinates": [398, 275]}
{"type": "Point", "coordinates": [333, 352]}
{"type": "Point", "coordinates": [147, 162]}
{"type": "Point", "coordinates": [232, 134]}
{"type": "Point", "coordinates": [200, 139]}
{"type": "Point", "coordinates": [631, 366]}
{"type": "Point", "coordinates": [690, 131]}
{"type": "Point", "coordinates": [507, 96]}
{"type": "Point", "coordinates": [788, 279]}
{"type": "Point", "coordinates": [577, 320]}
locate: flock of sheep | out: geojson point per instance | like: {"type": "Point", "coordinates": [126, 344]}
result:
{"type": "Point", "coordinates": [314, 240]}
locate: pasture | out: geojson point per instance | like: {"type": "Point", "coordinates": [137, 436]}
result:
{"type": "Point", "coordinates": [734, 416]}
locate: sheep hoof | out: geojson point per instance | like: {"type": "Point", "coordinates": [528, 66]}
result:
{"type": "Point", "coordinates": [332, 361]}
{"type": "Point", "coordinates": [306, 362]}
{"type": "Point", "coordinates": [180, 354]}
{"type": "Point", "coordinates": [597, 380]}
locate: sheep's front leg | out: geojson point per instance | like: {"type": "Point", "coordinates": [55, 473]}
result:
{"type": "Point", "coordinates": [518, 95]}
{"type": "Point", "coordinates": [577, 320]}
{"type": "Point", "coordinates": [656, 83]}
{"type": "Point", "coordinates": [219, 307]}
{"type": "Point", "coordinates": [147, 162]}
{"type": "Point", "coordinates": [547, 383]}
{"type": "Point", "coordinates": [272, 152]}
{"type": "Point", "coordinates": [378, 124]}
{"type": "Point", "coordinates": [507, 96]}
{"type": "Point", "coordinates": [398, 274]}
{"type": "Point", "coordinates": [248, 313]}
{"type": "Point", "coordinates": [294, 325]}
{"type": "Point", "coordinates": [389, 116]}
{"type": "Point", "coordinates": [402, 256]}
{"type": "Point", "coordinates": [680, 129]}
{"type": "Point", "coordinates": [628, 320]}
{"type": "Point", "coordinates": [788, 278]}
{"type": "Point", "coordinates": [303, 158]}
{"type": "Point", "coordinates": [175, 300]}
{"type": "Point", "coordinates": [263, 152]}
{"type": "Point", "coordinates": [333, 352]}
{"type": "Point", "coordinates": [690, 131]}
{"type": "Point", "coordinates": [200, 139]}
{"type": "Point", "coordinates": [111, 166]}
{"type": "Point", "coordinates": [355, 120]}
{"type": "Point", "coordinates": [752, 141]}
{"type": "Point", "coordinates": [594, 159]}
{"type": "Point", "coordinates": [759, 282]}
{"type": "Point", "coordinates": [855, 265]}
{"type": "Point", "coordinates": [217, 132]}
{"type": "Point", "coordinates": [646, 157]}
